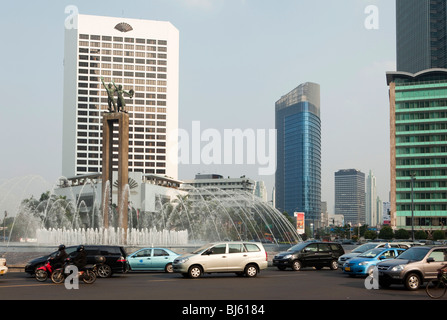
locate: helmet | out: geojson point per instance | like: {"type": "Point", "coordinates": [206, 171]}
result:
{"type": "Point", "coordinates": [61, 247]}
{"type": "Point", "coordinates": [80, 248]}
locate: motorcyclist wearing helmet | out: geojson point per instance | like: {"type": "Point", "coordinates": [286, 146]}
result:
{"type": "Point", "coordinates": [60, 256]}
{"type": "Point", "coordinates": [79, 258]}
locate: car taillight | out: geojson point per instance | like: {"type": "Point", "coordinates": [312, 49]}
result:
{"type": "Point", "coordinates": [121, 259]}
{"type": "Point", "coordinates": [266, 257]}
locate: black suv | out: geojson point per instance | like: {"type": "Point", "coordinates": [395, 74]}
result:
{"type": "Point", "coordinates": [310, 254]}
{"type": "Point", "coordinates": [115, 259]}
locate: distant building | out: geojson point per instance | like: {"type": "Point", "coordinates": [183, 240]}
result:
{"type": "Point", "coordinates": [260, 190]}
{"type": "Point", "coordinates": [350, 196]}
{"type": "Point", "coordinates": [218, 181]}
{"type": "Point", "coordinates": [336, 220]}
{"type": "Point", "coordinates": [298, 174]}
{"type": "Point", "coordinates": [371, 218]}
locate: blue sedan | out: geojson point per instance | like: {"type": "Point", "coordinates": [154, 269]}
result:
{"type": "Point", "coordinates": [364, 263]}
{"type": "Point", "coordinates": [152, 259]}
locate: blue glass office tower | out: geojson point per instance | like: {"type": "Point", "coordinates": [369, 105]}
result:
{"type": "Point", "coordinates": [298, 174]}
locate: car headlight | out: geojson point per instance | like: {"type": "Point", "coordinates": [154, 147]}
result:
{"type": "Point", "coordinates": [287, 256]}
{"type": "Point", "coordinates": [364, 263]}
{"type": "Point", "coordinates": [398, 268]}
{"type": "Point", "coordinates": [182, 260]}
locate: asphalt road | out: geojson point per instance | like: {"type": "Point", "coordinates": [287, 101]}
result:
{"type": "Point", "coordinates": [270, 284]}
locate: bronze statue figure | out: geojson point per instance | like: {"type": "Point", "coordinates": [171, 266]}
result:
{"type": "Point", "coordinates": [119, 105]}
{"type": "Point", "coordinates": [120, 102]}
{"type": "Point", "coordinates": [110, 92]}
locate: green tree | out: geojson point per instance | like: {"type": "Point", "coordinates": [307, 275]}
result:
{"type": "Point", "coordinates": [386, 233]}
{"type": "Point", "coordinates": [369, 234]}
{"type": "Point", "coordinates": [420, 235]}
{"type": "Point", "coordinates": [438, 235]}
{"type": "Point", "coordinates": [402, 234]}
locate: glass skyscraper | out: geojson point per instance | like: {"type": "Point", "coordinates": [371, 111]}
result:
{"type": "Point", "coordinates": [298, 174]}
{"type": "Point", "coordinates": [421, 31]}
{"type": "Point", "coordinates": [418, 115]}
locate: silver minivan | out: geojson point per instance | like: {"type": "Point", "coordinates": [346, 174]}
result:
{"type": "Point", "coordinates": [242, 258]}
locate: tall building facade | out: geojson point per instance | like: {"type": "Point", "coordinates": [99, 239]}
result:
{"type": "Point", "coordinates": [418, 122]}
{"type": "Point", "coordinates": [421, 31]}
{"type": "Point", "coordinates": [298, 174]}
{"type": "Point", "coordinates": [350, 195]}
{"type": "Point", "coordinates": [141, 55]}
{"type": "Point", "coordinates": [371, 218]}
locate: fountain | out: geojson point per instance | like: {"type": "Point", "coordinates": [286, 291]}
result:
{"type": "Point", "coordinates": [187, 218]}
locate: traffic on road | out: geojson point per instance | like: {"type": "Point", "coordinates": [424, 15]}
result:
{"type": "Point", "coordinates": [235, 271]}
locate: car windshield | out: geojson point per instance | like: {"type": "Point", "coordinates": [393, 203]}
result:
{"type": "Point", "coordinates": [298, 246]}
{"type": "Point", "coordinates": [371, 253]}
{"type": "Point", "coordinates": [203, 248]}
{"type": "Point", "coordinates": [414, 254]}
{"type": "Point", "coordinates": [364, 247]}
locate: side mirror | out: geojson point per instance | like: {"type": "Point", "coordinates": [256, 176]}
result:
{"type": "Point", "coordinates": [431, 259]}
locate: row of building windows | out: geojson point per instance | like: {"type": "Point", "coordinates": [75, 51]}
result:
{"type": "Point", "coordinates": [131, 169]}
{"type": "Point", "coordinates": [95, 81]}
{"type": "Point", "coordinates": [422, 116]}
{"type": "Point", "coordinates": [421, 196]}
{"type": "Point", "coordinates": [96, 44]}
{"type": "Point", "coordinates": [422, 162]}
{"type": "Point", "coordinates": [421, 184]}
{"type": "Point", "coordinates": [422, 138]}
{"type": "Point", "coordinates": [426, 221]}
{"type": "Point", "coordinates": [421, 127]}
{"type": "Point", "coordinates": [422, 207]}
{"type": "Point", "coordinates": [405, 106]}
{"type": "Point", "coordinates": [421, 94]}
{"type": "Point", "coordinates": [122, 39]}
{"type": "Point", "coordinates": [105, 53]}
{"type": "Point", "coordinates": [421, 150]}
{"type": "Point", "coordinates": [421, 173]}
{"type": "Point", "coordinates": [115, 59]}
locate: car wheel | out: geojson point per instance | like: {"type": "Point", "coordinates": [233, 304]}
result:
{"type": "Point", "coordinates": [104, 271]}
{"type": "Point", "coordinates": [251, 271]}
{"type": "Point", "coordinates": [412, 281]}
{"type": "Point", "coordinates": [194, 272]}
{"type": "Point", "coordinates": [169, 268]}
{"type": "Point", "coordinates": [333, 265]}
{"type": "Point", "coordinates": [296, 265]}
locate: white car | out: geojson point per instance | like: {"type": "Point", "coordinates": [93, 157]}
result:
{"type": "Point", "coordinates": [3, 267]}
{"type": "Point", "coordinates": [242, 258]}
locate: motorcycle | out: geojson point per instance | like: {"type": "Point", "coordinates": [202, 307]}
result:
{"type": "Point", "coordinates": [43, 272]}
{"type": "Point", "coordinates": [87, 275]}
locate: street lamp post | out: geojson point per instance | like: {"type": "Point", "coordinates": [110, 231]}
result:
{"type": "Point", "coordinates": [4, 233]}
{"type": "Point", "coordinates": [413, 178]}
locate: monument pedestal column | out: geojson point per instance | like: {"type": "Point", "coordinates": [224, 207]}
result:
{"type": "Point", "coordinates": [108, 121]}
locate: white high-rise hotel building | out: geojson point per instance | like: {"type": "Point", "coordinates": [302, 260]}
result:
{"type": "Point", "coordinates": [141, 55]}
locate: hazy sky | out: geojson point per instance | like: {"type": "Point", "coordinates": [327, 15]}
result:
{"type": "Point", "coordinates": [237, 58]}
